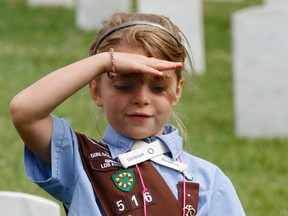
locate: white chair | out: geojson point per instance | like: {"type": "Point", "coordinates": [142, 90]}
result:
{"type": "Point", "coordinates": [22, 204]}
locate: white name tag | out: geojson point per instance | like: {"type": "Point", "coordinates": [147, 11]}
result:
{"type": "Point", "coordinates": [142, 151]}
{"type": "Point", "coordinates": [169, 162]}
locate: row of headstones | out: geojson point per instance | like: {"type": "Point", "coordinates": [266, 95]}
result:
{"type": "Point", "coordinates": [71, 3]}
{"type": "Point", "coordinates": [90, 14]}
{"type": "Point", "coordinates": [260, 53]}
{"type": "Point", "coordinates": [190, 20]}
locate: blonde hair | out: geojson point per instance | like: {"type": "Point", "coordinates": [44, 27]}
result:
{"type": "Point", "coordinates": [163, 43]}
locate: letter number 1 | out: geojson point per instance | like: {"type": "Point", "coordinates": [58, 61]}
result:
{"type": "Point", "coordinates": [134, 199]}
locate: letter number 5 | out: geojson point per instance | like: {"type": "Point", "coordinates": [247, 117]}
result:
{"type": "Point", "coordinates": [120, 205]}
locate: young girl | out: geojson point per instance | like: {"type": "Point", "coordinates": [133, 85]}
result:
{"type": "Point", "coordinates": [139, 167]}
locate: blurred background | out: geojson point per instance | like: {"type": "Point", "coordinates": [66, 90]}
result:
{"type": "Point", "coordinates": [37, 40]}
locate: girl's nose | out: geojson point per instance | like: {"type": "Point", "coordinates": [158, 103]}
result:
{"type": "Point", "coordinates": [141, 96]}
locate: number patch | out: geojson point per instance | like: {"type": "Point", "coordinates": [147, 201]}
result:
{"type": "Point", "coordinates": [133, 201]}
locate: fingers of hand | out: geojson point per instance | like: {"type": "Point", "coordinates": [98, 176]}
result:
{"type": "Point", "coordinates": [132, 63]}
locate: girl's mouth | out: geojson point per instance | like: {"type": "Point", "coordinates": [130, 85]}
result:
{"type": "Point", "coordinates": [139, 117]}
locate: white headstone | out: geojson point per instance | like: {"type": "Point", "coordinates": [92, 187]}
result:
{"type": "Point", "coordinates": [90, 13]}
{"type": "Point", "coordinates": [58, 3]}
{"type": "Point", "coordinates": [225, 0]}
{"type": "Point", "coordinates": [276, 2]}
{"type": "Point", "coordinates": [16, 203]}
{"type": "Point", "coordinates": [260, 58]}
{"type": "Point", "coordinates": [188, 16]}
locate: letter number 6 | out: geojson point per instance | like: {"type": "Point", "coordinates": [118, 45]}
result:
{"type": "Point", "coordinates": [148, 197]}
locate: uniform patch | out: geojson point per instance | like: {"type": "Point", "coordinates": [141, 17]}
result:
{"type": "Point", "coordinates": [124, 180]}
{"type": "Point", "coordinates": [102, 161]}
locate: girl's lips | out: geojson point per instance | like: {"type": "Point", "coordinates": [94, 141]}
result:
{"type": "Point", "coordinates": [139, 116]}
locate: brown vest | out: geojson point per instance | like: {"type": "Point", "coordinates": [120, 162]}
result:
{"type": "Point", "coordinates": [160, 201]}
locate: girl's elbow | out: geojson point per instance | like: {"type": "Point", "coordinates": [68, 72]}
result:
{"type": "Point", "coordinates": [18, 111]}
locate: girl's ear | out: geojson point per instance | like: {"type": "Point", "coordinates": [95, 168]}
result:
{"type": "Point", "coordinates": [96, 93]}
{"type": "Point", "coordinates": [179, 88]}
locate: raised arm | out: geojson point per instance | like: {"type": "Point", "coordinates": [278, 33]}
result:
{"type": "Point", "coordinates": [30, 109]}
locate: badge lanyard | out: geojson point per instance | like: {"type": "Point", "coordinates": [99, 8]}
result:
{"type": "Point", "coordinates": [190, 210]}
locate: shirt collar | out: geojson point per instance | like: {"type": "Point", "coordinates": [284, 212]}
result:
{"type": "Point", "coordinates": [118, 144]}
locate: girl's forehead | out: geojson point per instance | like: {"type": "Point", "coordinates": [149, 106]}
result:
{"type": "Point", "coordinates": [144, 77]}
{"type": "Point", "coordinates": [130, 49]}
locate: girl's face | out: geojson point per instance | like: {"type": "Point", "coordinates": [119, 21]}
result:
{"type": "Point", "coordinates": [135, 105]}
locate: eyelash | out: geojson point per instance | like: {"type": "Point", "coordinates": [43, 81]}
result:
{"type": "Point", "coordinates": [129, 88]}
{"type": "Point", "coordinates": [158, 89]}
{"type": "Point", "coordinates": [123, 87]}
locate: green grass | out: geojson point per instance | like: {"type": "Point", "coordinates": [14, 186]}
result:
{"type": "Point", "coordinates": [36, 41]}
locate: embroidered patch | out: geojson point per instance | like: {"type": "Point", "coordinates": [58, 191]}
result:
{"type": "Point", "coordinates": [124, 180]}
{"type": "Point", "coordinates": [102, 161]}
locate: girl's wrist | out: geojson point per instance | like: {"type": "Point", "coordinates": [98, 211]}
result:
{"type": "Point", "coordinates": [102, 62]}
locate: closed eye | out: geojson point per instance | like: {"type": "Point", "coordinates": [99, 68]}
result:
{"type": "Point", "coordinates": [124, 87]}
{"type": "Point", "coordinates": [158, 89]}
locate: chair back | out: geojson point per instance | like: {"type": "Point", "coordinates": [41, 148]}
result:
{"type": "Point", "coordinates": [17, 203]}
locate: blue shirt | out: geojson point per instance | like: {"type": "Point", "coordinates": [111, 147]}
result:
{"type": "Point", "coordinates": [66, 179]}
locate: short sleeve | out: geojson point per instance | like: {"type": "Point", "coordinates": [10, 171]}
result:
{"type": "Point", "coordinates": [58, 180]}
